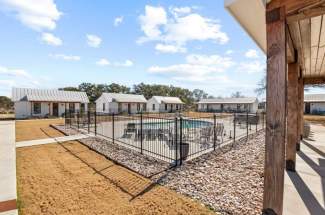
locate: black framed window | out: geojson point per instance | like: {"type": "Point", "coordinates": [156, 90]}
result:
{"type": "Point", "coordinates": [153, 106]}
{"type": "Point", "coordinates": [104, 107]}
{"type": "Point", "coordinates": [37, 108]}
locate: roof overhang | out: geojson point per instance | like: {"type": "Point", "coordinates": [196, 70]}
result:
{"type": "Point", "coordinates": [250, 14]}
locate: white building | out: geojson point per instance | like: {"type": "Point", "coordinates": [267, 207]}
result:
{"type": "Point", "coordinates": [228, 105]}
{"type": "Point", "coordinates": [30, 103]}
{"type": "Point", "coordinates": [314, 103]}
{"type": "Point", "coordinates": [164, 104]}
{"type": "Point", "coordinates": [120, 103]}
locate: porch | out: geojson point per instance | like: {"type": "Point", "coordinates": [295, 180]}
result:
{"type": "Point", "coordinates": [304, 190]}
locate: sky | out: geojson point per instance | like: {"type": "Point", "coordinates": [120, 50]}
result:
{"type": "Point", "coordinates": [186, 43]}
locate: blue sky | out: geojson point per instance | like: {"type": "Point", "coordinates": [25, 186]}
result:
{"type": "Point", "coordinates": [192, 44]}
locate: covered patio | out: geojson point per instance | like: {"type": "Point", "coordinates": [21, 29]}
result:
{"type": "Point", "coordinates": [292, 34]}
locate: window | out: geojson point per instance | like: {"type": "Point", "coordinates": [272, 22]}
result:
{"type": "Point", "coordinates": [104, 107]}
{"type": "Point", "coordinates": [72, 107]}
{"type": "Point", "coordinates": [176, 107]}
{"type": "Point", "coordinates": [37, 108]}
{"type": "Point", "coordinates": [246, 106]}
{"type": "Point", "coordinates": [138, 107]}
{"type": "Point", "coordinates": [153, 106]}
{"type": "Point", "coordinates": [166, 107]}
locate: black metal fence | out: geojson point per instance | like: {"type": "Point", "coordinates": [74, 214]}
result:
{"type": "Point", "coordinates": [174, 137]}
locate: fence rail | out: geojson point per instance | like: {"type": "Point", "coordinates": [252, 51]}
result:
{"type": "Point", "coordinates": [173, 137]}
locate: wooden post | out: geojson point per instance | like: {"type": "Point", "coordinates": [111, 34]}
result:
{"type": "Point", "coordinates": [275, 112]}
{"type": "Point", "coordinates": [292, 119]}
{"type": "Point", "coordinates": [302, 108]}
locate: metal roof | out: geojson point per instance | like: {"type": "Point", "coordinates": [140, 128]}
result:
{"type": "Point", "coordinates": [48, 95]}
{"type": "Point", "coordinates": [314, 98]}
{"type": "Point", "coordinates": [121, 97]}
{"type": "Point", "coordinates": [247, 100]}
{"type": "Point", "coordinates": [168, 99]}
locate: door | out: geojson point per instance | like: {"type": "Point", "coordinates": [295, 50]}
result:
{"type": "Point", "coordinates": [129, 108]}
{"type": "Point", "coordinates": [55, 109]}
{"type": "Point", "coordinates": [307, 108]}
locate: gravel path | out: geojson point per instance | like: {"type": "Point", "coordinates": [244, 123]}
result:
{"type": "Point", "coordinates": [230, 183]}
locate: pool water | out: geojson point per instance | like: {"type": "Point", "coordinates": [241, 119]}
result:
{"type": "Point", "coordinates": [169, 124]}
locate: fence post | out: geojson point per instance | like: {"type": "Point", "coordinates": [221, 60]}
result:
{"type": "Point", "coordinates": [175, 142]}
{"type": "Point", "coordinates": [113, 127]}
{"type": "Point", "coordinates": [78, 120]}
{"type": "Point", "coordinates": [247, 125]}
{"type": "Point", "coordinates": [214, 131]}
{"type": "Point", "coordinates": [234, 127]}
{"type": "Point", "coordinates": [256, 121]}
{"type": "Point", "coordinates": [141, 133]}
{"type": "Point", "coordinates": [70, 113]}
{"type": "Point", "coordinates": [263, 116]}
{"type": "Point", "coordinates": [180, 140]}
{"type": "Point", "coordinates": [88, 113]}
{"type": "Point", "coordinates": [95, 116]}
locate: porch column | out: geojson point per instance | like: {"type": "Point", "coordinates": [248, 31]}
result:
{"type": "Point", "coordinates": [275, 112]}
{"type": "Point", "coordinates": [292, 119]}
{"type": "Point", "coordinates": [302, 108]}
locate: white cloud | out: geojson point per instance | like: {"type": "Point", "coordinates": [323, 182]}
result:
{"type": "Point", "coordinates": [93, 40]}
{"type": "Point", "coordinates": [35, 14]}
{"type": "Point", "coordinates": [14, 72]}
{"type": "Point", "coordinates": [251, 67]}
{"type": "Point", "coordinates": [180, 27]}
{"type": "Point", "coordinates": [229, 52]}
{"type": "Point", "coordinates": [251, 53]}
{"type": "Point", "coordinates": [50, 39]}
{"type": "Point", "coordinates": [197, 68]}
{"type": "Point", "coordinates": [150, 22]}
{"type": "Point", "coordinates": [176, 11]}
{"type": "Point", "coordinates": [169, 48]}
{"type": "Point", "coordinates": [103, 62]}
{"type": "Point", "coordinates": [118, 20]}
{"type": "Point", "coordinates": [66, 57]}
{"type": "Point", "coordinates": [126, 63]}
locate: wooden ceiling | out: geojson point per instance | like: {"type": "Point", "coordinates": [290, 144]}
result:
{"type": "Point", "coordinates": [306, 32]}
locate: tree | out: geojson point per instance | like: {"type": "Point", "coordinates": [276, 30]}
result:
{"type": "Point", "coordinates": [261, 86]}
{"type": "Point", "coordinates": [237, 95]}
{"type": "Point", "coordinates": [69, 89]}
{"type": "Point", "coordinates": [199, 94]}
{"type": "Point", "coordinates": [6, 103]}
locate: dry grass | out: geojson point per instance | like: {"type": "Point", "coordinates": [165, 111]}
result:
{"type": "Point", "coordinates": [7, 116]}
{"type": "Point", "coordinates": [69, 178]}
{"type": "Point", "coordinates": [315, 119]}
{"type": "Point", "coordinates": [36, 129]}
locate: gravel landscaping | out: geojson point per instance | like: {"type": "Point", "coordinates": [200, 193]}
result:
{"type": "Point", "coordinates": [144, 165]}
{"type": "Point", "coordinates": [229, 183]}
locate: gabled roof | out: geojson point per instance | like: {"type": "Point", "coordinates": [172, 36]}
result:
{"type": "Point", "coordinates": [314, 98]}
{"type": "Point", "coordinates": [168, 100]}
{"type": "Point", "coordinates": [48, 95]}
{"type": "Point", "coordinates": [247, 100]}
{"type": "Point", "coordinates": [121, 97]}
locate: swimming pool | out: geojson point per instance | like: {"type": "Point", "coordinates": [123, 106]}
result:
{"type": "Point", "coordinates": [171, 123]}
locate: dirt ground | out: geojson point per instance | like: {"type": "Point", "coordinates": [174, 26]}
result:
{"type": "Point", "coordinates": [36, 129]}
{"type": "Point", "coordinates": [315, 118]}
{"type": "Point", "coordinates": [69, 178]}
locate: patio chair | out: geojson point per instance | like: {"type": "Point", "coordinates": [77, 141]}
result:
{"type": "Point", "coordinates": [206, 135]}
{"type": "Point", "coordinates": [219, 131]}
{"type": "Point", "coordinates": [130, 131]}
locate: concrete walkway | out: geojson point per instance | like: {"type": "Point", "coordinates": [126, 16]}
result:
{"type": "Point", "coordinates": [8, 190]}
{"type": "Point", "coordinates": [52, 140]}
{"type": "Point", "coordinates": [304, 190]}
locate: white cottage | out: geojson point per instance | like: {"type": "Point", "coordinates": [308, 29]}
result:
{"type": "Point", "coordinates": [121, 103]}
{"type": "Point", "coordinates": [314, 103]}
{"type": "Point", "coordinates": [30, 103]}
{"type": "Point", "coordinates": [249, 104]}
{"type": "Point", "coordinates": [164, 104]}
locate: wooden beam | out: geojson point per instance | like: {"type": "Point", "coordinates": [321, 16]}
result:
{"type": "Point", "coordinates": [306, 14]}
{"type": "Point", "coordinates": [313, 81]}
{"type": "Point", "coordinates": [275, 112]}
{"type": "Point", "coordinates": [291, 56]}
{"type": "Point", "coordinates": [295, 6]}
{"type": "Point", "coordinates": [292, 118]}
{"type": "Point", "coordinates": [302, 109]}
